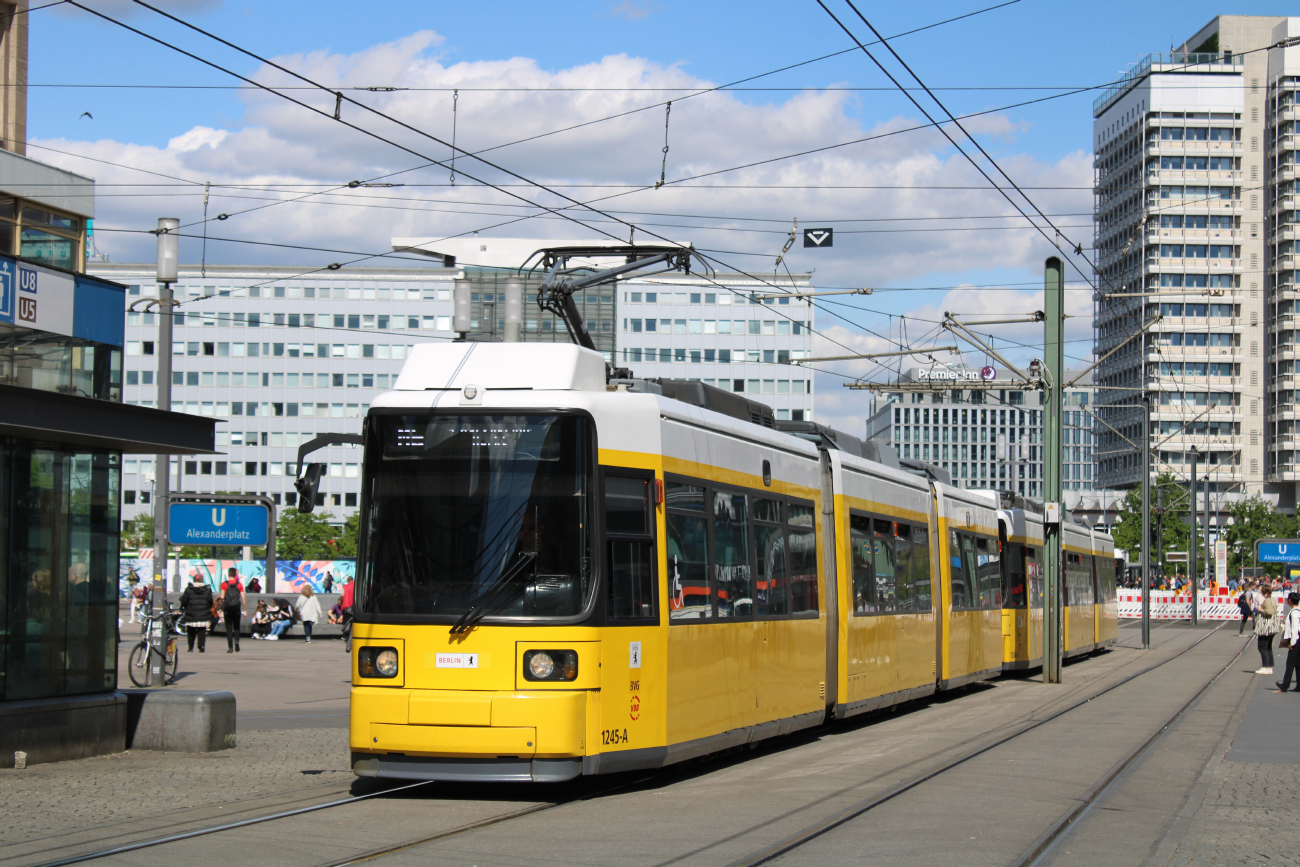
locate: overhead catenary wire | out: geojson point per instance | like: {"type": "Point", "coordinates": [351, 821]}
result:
{"type": "Point", "coordinates": [340, 99]}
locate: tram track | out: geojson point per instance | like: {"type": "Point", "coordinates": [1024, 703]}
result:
{"type": "Point", "coordinates": [783, 847]}
{"type": "Point", "coordinates": [1043, 845]}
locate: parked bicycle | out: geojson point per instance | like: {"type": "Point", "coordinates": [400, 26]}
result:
{"type": "Point", "coordinates": [170, 650]}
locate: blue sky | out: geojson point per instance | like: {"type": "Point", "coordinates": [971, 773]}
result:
{"type": "Point", "coordinates": [1026, 50]}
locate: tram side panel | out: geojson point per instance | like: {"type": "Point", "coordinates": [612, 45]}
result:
{"type": "Point", "coordinates": [1107, 606]}
{"type": "Point", "coordinates": [887, 621]}
{"type": "Point", "coordinates": [1080, 627]}
{"type": "Point", "coordinates": [972, 587]}
{"type": "Point", "coordinates": [746, 621]}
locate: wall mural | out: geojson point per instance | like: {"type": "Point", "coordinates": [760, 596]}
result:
{"type": "Point", "coordinates": [323, 576]}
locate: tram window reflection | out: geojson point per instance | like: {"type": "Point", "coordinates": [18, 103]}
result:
{"type": "Point", "coordinates": [864, 566]}
{"type": "Point", "coordinates": [803, 572]}
{"type": "Point", "coordinates": [626, 506]}
{"type": "Point", "coordinates": [1013, 565]}
{"type": "Point", "coordinates": [731, 555]}
{"type": "Point", "coordinates": [961, 588]}
{"type": "Point", "coordinates": [679, 496]}
{"type": "Point", "coordinates": [903, 567]}
{"type": "Point", "coordinates": [770, 586]}
{"type": "Point", "coordinates": [690, 596]}
{"type": "Point", "coordinates": [921, 600]}
{"type": "Point", "coordinates": [883, 555]}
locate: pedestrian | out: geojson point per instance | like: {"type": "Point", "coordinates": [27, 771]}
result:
{"type": "Point", "coordinates": [261, 620]}
{"type": "Point", "coordinates": [308, 610]}
{"type": "Point", "coordinates": [232, 607]}
{"type": "Point", "coordinates": [1244, 604]}
{"type": "Point", "coordinates": [281, 620]}
{"type": "Point", "coordinates": [254, 586]}
{"type": "Point", "coordinates": [196, 605]}
{"type": "Point", "coordinates": [1266, 626]}
{"type": "Point", "coordinates": [139, 600]}
{"type": "Point", "coordinates": [1291, 641]}
{"type": "Point", "coordinates": [328, 584]}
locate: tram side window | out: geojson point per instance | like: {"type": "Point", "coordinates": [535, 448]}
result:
{"type": "Point", "coordinates": [689, 590]}
{"type": "Point", "coordinates": [921, 569]}
{"type": "Point", "coordinates": [990, 577]}
{"type": "Point", "coordinates": [1087, 586]}
{"type": "Point", "coordinates": [864, 566]}
{"type": "Point", "coordinates": [1034, 572]}
{"type": "Point", "coordinates": [770, 585]}
{"type": "Point", "coordinates": [903, 567]}
{"type": "Point", "coordinates": [971, 567]}
{"type": "Point", "coordinates": [803, 569]}
{"type": "Point", "coordinates": [1014, 590]}
{"type": "Point", "coordinates": [632, 584]}
{"type": "Point", "coordinates": [962, 592]}
{"type": "Point", "coordinates": [886, 574]}
{"type": "Point", "coordinates": [734, 592]}
{"type": "Point", "coordinates": [1106, 578]}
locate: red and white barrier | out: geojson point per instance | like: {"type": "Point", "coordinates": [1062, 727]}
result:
{"type": "Point", "coordinates": [1177, 605]}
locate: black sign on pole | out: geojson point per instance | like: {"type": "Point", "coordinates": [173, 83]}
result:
{"type": "Point", "coordinates": [819, 237]}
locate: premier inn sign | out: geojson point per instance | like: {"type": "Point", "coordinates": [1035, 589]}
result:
{"type": "Point", "coordinates": [954, 374]}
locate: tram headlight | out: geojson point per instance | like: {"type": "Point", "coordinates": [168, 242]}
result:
{"type": "Point", "coordinates": [550, 665]}
{"type": "Point", "coordinates": [377, 662]}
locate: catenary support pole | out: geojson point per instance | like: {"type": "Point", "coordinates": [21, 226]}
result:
{"type": "Point", "coordinates": [1211, 563]}
{"type": "Point", "coordinates": [1054, 358]}
{"type": "Point", "coordinates": [167, 273]}
{"type": "Point", "coordinates": [1146, 522]}
{"type": "Point", "coordinates": [1192, 545]}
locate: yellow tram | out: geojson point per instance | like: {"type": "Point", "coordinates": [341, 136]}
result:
{"type": "Point", "coordinates": [1089, 608]}
{"type": "Point", "coordinates": [560, 575]}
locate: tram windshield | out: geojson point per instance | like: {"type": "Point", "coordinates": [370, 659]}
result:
{"type": "Point", "coordinates": [478, 515]}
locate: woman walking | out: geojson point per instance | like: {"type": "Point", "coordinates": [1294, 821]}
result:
{"type": "Point", "coordinates": [1266, 626]}
{"type": "Point", "coordinates": [196, 604]}
{"type": "Point", "coordinates": [308, 610]}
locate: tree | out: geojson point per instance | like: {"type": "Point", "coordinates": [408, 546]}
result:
{"type": "Point", "coordinates": [1255, 519]}
{"type": "Point", "coordinates": [138, 532]}
{"type": "Point", "coordinates": [1169, 530]}
{"type": "Point", "coordinates": [311, 536]}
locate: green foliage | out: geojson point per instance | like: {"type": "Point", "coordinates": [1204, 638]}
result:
{"type": "Point", "coordinates": [138, 533]}
{"type": "Point", "coordinates": [1209, 46]}
{"type": "Point", "coordinates": [1168, 520]}
{"type": "Point", "coordinates": [311, 536]}
{"type": "Point", "coordinates": [1255, 519]}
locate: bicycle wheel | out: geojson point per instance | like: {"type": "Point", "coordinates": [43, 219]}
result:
{"type": "Point", "coordinates": [172, 660]}
{"type": "Point", "coordinates": [138, 664]}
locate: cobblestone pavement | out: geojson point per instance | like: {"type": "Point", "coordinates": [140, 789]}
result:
{"type": "Point", "coordinates": [1246, 816]}
{"type": "Point", "coordinates": [54, 799]}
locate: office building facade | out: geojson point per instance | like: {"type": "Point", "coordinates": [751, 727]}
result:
{"type": "Point", "coordinates": [280, 354]}
{"type": "Point", "coordinates": [987, 439]}
{"type": "Point", "coordinates": [1194, 175]}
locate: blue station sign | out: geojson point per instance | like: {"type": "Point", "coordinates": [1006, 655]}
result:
{"type": "Point", "coordinates": [1278, 550]}
{"type": "Point", "coordinates": [216, 524]}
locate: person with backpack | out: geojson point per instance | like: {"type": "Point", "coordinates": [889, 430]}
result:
{"type": "Point", "coordinates": [1244, 605]}
{"type": "Point", "coordinates": [232, 608]}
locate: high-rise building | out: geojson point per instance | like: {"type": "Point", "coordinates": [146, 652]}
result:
{"type": "Point", "coordinates": [282, 354]}
{"type": "Point", "coordinates": [1195, 223]}
{"type": "Point", "coordinates": [990, 439]}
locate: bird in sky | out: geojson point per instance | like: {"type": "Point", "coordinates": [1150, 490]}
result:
{"type": "Point", "coordinates": [86, 114]}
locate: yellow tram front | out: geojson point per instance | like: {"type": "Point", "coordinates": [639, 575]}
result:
{"type": "Point", "coordinates": [477, 645]}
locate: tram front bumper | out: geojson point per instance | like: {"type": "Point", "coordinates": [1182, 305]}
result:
{"type": "Point", "coordinates": [462, 735]}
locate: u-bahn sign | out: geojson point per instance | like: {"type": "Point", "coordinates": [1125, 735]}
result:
{"type": "Point", "coordinates": [1278, 550]}
{"type": "Point", "coordinates": [216, 524]}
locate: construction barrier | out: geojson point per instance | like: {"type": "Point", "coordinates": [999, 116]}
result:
{"type": "Point", "coordinates": [1176, 605]}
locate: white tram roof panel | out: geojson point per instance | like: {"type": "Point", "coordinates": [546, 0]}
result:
{"type": "Point", "coordinates": [492, 366]}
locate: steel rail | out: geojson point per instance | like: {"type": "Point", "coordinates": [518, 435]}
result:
{"type": "Point", "coordinates": [795, 841]}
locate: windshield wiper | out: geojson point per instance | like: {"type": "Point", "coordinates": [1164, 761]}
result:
{"type": "Point", "coordinates": [479, 609]}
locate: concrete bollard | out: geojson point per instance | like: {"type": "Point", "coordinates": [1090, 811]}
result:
{"type": "Point", "coordinates": [184, 721]}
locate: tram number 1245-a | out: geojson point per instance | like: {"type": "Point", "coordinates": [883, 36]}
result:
{"type": "Point", "coordinates": [613, 736]}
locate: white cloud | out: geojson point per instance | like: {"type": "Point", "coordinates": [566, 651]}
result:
{"type": "Point", "coordinates": [876, 194]}
{"type": "Point", "coordinates": [635, 11]}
